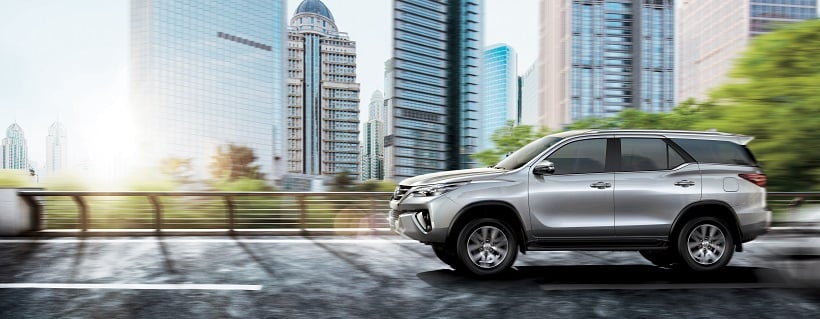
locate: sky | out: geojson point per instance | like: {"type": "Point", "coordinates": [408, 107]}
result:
{"type": "Point", "coordinates": [68, 61]}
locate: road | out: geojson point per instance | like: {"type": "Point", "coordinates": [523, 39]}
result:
{"type": "Point", "coordinates": [366, 277]}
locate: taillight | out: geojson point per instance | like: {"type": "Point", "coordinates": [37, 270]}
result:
{"type": "Point", "coordinates": [757, 179]}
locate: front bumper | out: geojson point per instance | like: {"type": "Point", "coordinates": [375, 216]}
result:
{"type": "Point", "coordinates": [420, 218]}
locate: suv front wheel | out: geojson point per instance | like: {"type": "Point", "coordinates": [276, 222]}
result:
{"type": "Point", "coordinates": [486, 246]}
{"type": "Point", "coordinates": [705, 244]}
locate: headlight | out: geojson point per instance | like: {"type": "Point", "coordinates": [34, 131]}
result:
{"type": "Point", "coordinates": [435, 189]}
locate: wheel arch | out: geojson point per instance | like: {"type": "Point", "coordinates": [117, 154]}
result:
{"type": "Point", "coordinates": [711, 208]}
{"type": "Point", "coordinates": [507, 213]}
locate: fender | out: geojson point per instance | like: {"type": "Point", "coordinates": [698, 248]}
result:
{"type": "Point", "coordinates": [738, 243]}
{"type": "Point", "coordinates": [470, 206]}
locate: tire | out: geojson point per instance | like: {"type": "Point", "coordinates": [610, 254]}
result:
{"type": "Point", "coordinates": [486, 247]}
{"type": "Point", "coordinates": [705, 244]}
{"type": "Point", "coordinates": [446, 255]}
{"type": "Point", "coordinates": [661, 258]}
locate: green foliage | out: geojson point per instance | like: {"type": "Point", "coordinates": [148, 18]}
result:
{"type": "Point", "coordinates": [508, 139]}
{"type": "Point", "coordinates": [243, 184]}
{"type": "Point", "coordinates": [66, 181]}
{"type": "Point", "coordinates": [12, 179]}
{"type": "Point", "coordinates": [683, 117]}
{"type": "Point", "coordinates": [149, 181]}
{"type": "Point", "coordinates": [774, 95]}
{"type": "Point", "coordinates": [375, 186]}
{"type": "Point", "coordinates": [233, 162]}
{"type": "Point", "coordinates": [342, 182]}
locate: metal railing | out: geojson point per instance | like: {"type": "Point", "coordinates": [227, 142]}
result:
{"type": "Point", "coordinates": [248, 212]}
{"type": "Point", "coordinates": [201, 212]}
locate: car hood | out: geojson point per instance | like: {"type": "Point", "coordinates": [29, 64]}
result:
{"type": "Point", "coordinates": [452, 176]}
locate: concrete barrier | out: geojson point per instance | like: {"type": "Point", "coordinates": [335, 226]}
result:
{"type": "Point", "coordinates": [15, 214]}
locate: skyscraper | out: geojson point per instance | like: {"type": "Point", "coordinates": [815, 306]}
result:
{"type": "Point", "coordinates": [323, 96]}
{"type": "Point", "coordinates": [599, 57]}
{"type": "Point", "coordinates": [712, 33]}
{"type": "Point", "coordinates": [206, 74]}
{"type": "Point", "coordinates": [499, 93]}
{"type": "Point", "coordinates": [56, 148]}
{"type": "Point", "coordinates": [531, 112]}
{"type": "Point", "coordinates": [436, 79]}
{"type": "Point", "coordinates": [373, 148]}
{"type": "Point", "coordinates": [15, 149]}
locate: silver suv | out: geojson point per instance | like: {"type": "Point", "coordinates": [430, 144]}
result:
{"type": "Point", "coordinates": [680, 198]}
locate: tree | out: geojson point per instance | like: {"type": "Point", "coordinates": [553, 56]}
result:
{"type": "Point", "coordinates": [342, 182]}
{"type": "Point", "coordinates": [683, 117]}
{"type": "Point", "coordinates": [233, 162]}
{"type": "Point", "coordinates": [508, 139]}
{"type": "Point", "coordinates": [178, 169]}
{"type": "Point", "coordinates": [774, 95]}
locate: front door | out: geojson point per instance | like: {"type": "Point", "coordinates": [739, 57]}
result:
{"type": "Point", "coordinates": [577, 200]}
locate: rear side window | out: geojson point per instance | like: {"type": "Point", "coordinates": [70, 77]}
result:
{"type": "Point", "coordinates": [720, 152]}
{"type": "Point", "coordinates": [647, 154]}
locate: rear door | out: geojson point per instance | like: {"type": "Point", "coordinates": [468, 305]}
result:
{"type": "Point", "coordinates": [654, 183]}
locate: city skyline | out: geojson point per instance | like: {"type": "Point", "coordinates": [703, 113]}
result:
{"type": "Point", "coordinates": [85, 85]}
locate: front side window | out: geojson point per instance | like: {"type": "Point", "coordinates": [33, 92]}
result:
{"type": "Point", "coordinates": [586, 156]}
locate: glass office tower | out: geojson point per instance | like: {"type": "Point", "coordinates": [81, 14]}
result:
{"type": "Point", "coordinates": [435, 99]}
{"type": "Point", "coordinates": [712, 33]}
{"type": "Point", "coordinates": [323, 95]}
{"type": "Point", "coordinates": [599, 57]}
{"type": "Point", "coordinates": [14, 149]}
{"type": "Point", "coordinates": [56, 149]}
{"type": "Point", "coordinates": [205, 74]}
{"type": "Point", "coordinates": [500, 92]}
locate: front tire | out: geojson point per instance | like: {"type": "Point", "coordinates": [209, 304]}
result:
{"type": "Point", "coordinates": [486, 247]}
{"type": "Point", "coordinates": [705, 244]}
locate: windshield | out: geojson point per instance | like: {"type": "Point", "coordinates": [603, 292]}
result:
{"type": "Point", "coordinates": [527, 153]}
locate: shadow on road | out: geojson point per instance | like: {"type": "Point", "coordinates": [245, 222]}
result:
{"type": "Point", "coordinates": [526, 279]}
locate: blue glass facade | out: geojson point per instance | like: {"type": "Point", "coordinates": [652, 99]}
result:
{"type": "Point", "coordinates": [767, 14]}
{"type": "Point", "coordinates": [622, 56]}
{"type": "Point", "coordinates": [500, 92]}
{"type": "Point", "coordinates": [14, 149]}
{"type": "Point", "coordinates": [209, 73]}
{"type": "Point", "coordinates": [436, 79]}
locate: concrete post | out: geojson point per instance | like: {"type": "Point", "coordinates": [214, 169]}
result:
{"type": "Point", "coordinates": [15, 214]}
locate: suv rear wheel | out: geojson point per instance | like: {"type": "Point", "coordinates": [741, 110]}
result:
{"type": "Point", "coordinates": [705, 244]}
{"type": "Point", "coordinates": [486, 246]}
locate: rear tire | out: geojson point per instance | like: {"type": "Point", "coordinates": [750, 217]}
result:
{"type": "Point", "coordinates": [486, 247]}
{"type": "Point", "coordinates": [705, 244]}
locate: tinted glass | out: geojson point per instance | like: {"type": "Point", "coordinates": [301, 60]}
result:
{"type": "Point", "coordinates": [721, 152]}
{"type": "Point", "coordinates": [648, 154]}
{"type": "Point", "coordinates": [587, 156]}
{"type": "Point", "coordinates": [527, 153]}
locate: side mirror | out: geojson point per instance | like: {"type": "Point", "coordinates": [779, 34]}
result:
{"type": "Point", "coordinates": [544, 168]}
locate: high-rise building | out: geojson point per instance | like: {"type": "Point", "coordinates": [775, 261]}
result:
{"type": "Point", "coordinates": [436, 82]}
{"type": "Point", "coordinates": [373, 147]}
{"type": "Point", "coordinates": [499, 93]}
{"type": "Point", "coordinates": [599, 57]}
{"type": "Point", "coordinates": [323, 96]}
{"type": "Point", "coordinates": [530, 111]}
{"type": "Point", "coordinates": [15, 149]}
{"type": "Point", "coordinates": [712, 33]}
{"type": "Point", "coordinates": [209, 73]}
{"type": "Point", "coordinates": [56, 148]}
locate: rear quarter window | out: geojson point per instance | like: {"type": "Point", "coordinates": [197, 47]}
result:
{"type": "Point", "coordinates": [719, 152]}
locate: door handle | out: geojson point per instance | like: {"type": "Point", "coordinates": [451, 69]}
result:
{"type": "Point", "coordinates": [600, 185]}
{"type": "Point", "coordinates": [684, 183]}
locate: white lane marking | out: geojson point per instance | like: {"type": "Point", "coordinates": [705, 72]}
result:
{"type": "Point", "coordinates": [206, 240]}
{"type": "Point", "coordinates": [570, 287]}
{"type": "Point", "coordinates": [130, 286]}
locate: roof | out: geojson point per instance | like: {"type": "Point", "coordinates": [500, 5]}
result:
{"type": "Point", "coordinates": [316, 7]}
{"type": "Point", "coordinates": [710, 135]}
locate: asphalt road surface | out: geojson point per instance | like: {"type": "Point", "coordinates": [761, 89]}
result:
{"type": "Point", "coordinates": [367, 277]}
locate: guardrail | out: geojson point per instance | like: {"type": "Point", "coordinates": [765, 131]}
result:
{"type": "Point", "coordinates": [75, 212]}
